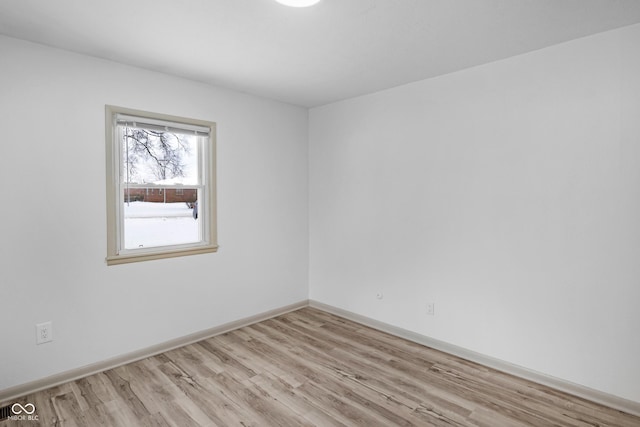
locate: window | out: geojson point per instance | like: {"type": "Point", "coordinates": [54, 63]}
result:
{"type": "Point", "coordinates": [147, 152]}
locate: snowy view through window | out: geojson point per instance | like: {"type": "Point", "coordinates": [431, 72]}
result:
{"type": "Point", "coordinates": [160, 183]}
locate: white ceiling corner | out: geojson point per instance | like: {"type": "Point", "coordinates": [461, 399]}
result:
{"type": "Point", "coordinates": [334, 50]}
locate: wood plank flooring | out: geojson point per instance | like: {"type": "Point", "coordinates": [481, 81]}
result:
{"type": "Point", "coordinates": [310, 368]}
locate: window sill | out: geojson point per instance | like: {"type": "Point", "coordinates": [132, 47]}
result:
{"type": "Point", "coordinates": [148, 256]}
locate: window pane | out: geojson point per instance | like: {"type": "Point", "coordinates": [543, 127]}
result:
{"type": "Point", "coordinates": [152, 224]}
{"type": "Point", "coordinates": [167, 158]}
{"type": "Point", "coordinates": [160, 186]}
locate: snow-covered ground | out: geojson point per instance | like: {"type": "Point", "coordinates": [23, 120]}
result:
{"type": "Point", "coordinates": [158, 224]}
{"type": "Point", "coordinates": [152, 210]}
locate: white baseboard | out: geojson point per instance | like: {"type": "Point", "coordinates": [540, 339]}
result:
{"type": "Point", "coordinates": [578, 390]}
{"type": "Point", "coordinates": [12, 393]}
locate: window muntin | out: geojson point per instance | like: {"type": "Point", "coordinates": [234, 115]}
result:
{"type": "Point", "coordinates": [175, 156]}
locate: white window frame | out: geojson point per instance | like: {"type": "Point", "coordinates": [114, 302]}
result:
{"type": "Point", "coordinates": [116, 253]}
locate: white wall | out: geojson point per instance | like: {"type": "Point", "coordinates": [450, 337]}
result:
{"type": "Point", "coordinates": [508, 194]}
{"type": "Point", "coordinates": [53, 221]}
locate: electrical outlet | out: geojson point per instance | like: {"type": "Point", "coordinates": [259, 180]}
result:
{"type": "Point", "coordinates": [431, 309]}
{"type": "Point", "coordinates": [44, 332]}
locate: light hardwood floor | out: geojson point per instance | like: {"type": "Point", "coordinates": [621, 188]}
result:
{"type": "Point", "coordinates": [310, 368]}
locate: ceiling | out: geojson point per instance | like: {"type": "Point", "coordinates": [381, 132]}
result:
{"type": "Point", "coordinates": [334, 50]}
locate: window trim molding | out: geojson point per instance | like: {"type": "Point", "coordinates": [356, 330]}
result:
{"type": "Point", "coordinates": [210, 243]}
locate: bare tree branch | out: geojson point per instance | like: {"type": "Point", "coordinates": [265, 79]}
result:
{"type": "Point", "coordinates": [162, 151]}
